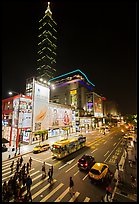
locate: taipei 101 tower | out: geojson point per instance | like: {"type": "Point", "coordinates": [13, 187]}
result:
{"type": "Point", "coordinates": [46, 61]}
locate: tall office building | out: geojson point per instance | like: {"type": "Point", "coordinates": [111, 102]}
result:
{"type": "Point", "coordinates": [46, 62]}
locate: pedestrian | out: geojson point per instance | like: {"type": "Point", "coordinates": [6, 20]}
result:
{"type": "Point", "coordinates": [28, 183]}
{"type": "Point", "coordinates": [50, 176]}
{"type": "Point", "coordinates": [108, 192]}
{"type": "Point", "coordinates": [21, 160]}
{"type": "Point", "coordinates": [71, 186]}
{"type": "Point", "coordinates": [51, 172]}
{"type": "Point", "coordinates": [24, 178]}
{"type": "Point", "coordinates": [43, 171]}
{"type": "Point", "coordinates": [27, 168]}
{"type": "Point", "coordinates": [23, 169]}
{"type": "Point", "coordinates": [12, 165]}
{"type": "Point", "coordinates": [30, 162]}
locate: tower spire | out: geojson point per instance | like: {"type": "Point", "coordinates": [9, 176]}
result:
{"type": "Point", "coordinates": [48, 10]}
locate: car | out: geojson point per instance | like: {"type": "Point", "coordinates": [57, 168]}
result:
{"type": "Point", "coordinates": [99, 172]}
{"type": "Point", "coordinates": [41, 148]}
{"type": "Point", "coordinates": [86, 162]}
{"type": "Point", "coordinates": [4, 148]}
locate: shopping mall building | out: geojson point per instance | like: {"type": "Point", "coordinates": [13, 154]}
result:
{"type": "Point", "coordinates": [64, 105]}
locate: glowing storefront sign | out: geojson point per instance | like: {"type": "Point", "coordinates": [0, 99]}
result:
{"type": "Point", "coordinates": [73, 92]}
{"type": "Point", "coordinates": [98, 110]}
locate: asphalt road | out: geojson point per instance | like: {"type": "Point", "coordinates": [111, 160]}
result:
{"type": "Point", "coordinates": [105, 148]}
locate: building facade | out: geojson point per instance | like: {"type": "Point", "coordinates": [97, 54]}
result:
{"type": "Point", "coordinates": [47, 46]}
{"type": "Point", "coordinates": [17, 119]}
{"type": "Point", "coordinates": [75, 89]}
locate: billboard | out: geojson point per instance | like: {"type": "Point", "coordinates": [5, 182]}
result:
{"type": "Point", "coordinates": [98, 109]}
{"type": "Point", "coordinates": [59, 116]}
{"type": "Point", "coordinates": [25, 113]}
{"type": "Point", "coordinates": [40, 109]}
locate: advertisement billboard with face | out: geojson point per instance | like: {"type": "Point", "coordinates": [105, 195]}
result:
{"type": "Point", "coordinates": [40, 107]}
{"type": "Point", "coordinates": [98, 109]}
{"type": "Point", "coordinates": [59, 116]}
{"type": "Point", "coordinates": [25, 113]}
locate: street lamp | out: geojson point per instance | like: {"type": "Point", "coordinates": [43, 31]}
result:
{"type": "Point", "coordinates": [11, 92]}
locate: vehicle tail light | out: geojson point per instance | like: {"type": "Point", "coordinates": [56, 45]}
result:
{"type": "Point", "coordinates": [86, 164]}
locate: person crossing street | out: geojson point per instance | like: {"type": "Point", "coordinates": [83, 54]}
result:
{"type": "Point", "coordinates": [12, 165]}
{"type": "Point", "coordinates": [43, 171]}
{"type": "Point", "coordinates": [30, 162]}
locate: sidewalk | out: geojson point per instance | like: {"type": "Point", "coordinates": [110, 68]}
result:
{"type": "Point", "coordinates": [127, 187]}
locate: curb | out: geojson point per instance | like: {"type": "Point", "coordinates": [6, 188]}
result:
{"type": "Point", "coordinates": [17, 156]}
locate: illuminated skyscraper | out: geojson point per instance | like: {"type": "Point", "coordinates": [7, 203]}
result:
{"type": "Point", "coordinates": [46, 62]}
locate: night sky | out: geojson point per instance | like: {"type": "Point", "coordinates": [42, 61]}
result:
{"type": "Point", "coordinates": [96, 37]}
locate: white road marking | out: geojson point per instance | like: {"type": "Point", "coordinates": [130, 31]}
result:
{"type": "Point", "coordinates": [74, 197]}
{"type": "Point", "coordinates": [76, 173]}
{"type": "Point", "coordinates": [112, 151]}
{"type": "Point", "coordinates": [41, 161]}
{"type": "Point", "coordinates": [52, 192]}
{"type": "Point", "coordinates": [37, 184]}
{"type": "Point", "coordinates": [62, 195]}
{"type": "Point", "coordinates": [86, 199]}
{"type": "Point", "coordinates": [71, 167]}
{"type": "Point", "coordinates": [85, 177]}
{"type": "Point", "coordinates": [69, 162]}
{"type": "Point", "coordinates": [8, 169]}
{"type": "Point", "coordinates": [42, 189]}
{"type": "Point", "coordinates": [94, 150]}
{"type": "Point", "coordinates": [106, 153]}
{"type": "Point", "coordinates": [105, 142]}
{"type": "Point", "coordinates": [114, 144]}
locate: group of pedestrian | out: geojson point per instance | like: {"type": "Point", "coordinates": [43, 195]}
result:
{"type": "Point", "coordinates": [18, 183]}
{"type": "Point", "coordinates": [50, 173]}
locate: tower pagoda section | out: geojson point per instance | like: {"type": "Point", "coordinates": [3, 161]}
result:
{"type": "Point", "coordinates": [47, 46]}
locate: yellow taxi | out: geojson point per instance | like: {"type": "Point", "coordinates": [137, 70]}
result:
{"type": "Point", "coordinates": [98, 171]}
{"type": "Point", "coordinates": [41, 148]}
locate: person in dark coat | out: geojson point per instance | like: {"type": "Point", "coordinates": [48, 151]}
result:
{"type": "Point", "coordinates": [28, 183]}
{"type": "Point", "coordinates": [71, 186]}
{"type": "Point", "coordinates": [12, 165]}
{"type": "Point", "coordinates": [30, 162]}
{"type": "Point", "coordinates": [27, 168]}
{"type": "Point", "coordinates": [21, 160]}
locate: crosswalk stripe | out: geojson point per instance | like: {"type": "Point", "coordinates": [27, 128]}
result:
{"type": "Point", "coordinates": [74, 197]}
{"type": "Point", "coordinates": [6, 173]}
{"type": "Point", "coordinates": [43, 189]}
{"type": "Point", "coordinates": [13, 174]}
{"type": "Point", "coordinates": [34, 173]}
{"type": "Point", "coordinates": [86, 199]}
{"type": "Point", "coordinates": [8, 177]}
{"type": "Point", "coordinates": [36, 177]}
{"type": "Point", "coordinates": [37, 184]}
{"type": "Point", "coordinates": [62, 195]}
{"type": "Point", "coordinates": [52, 192]}
{"type": "Point", "coordinates": [8, 169]}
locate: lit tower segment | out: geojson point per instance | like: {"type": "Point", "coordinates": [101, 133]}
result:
{"type": "Point", "coordinates": [46, 62]}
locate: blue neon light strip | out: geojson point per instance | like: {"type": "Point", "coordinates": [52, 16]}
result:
{"type": "Point", "coordinates": [87, 86]}
{"type": "Point", "coordinates": [77, 70]}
